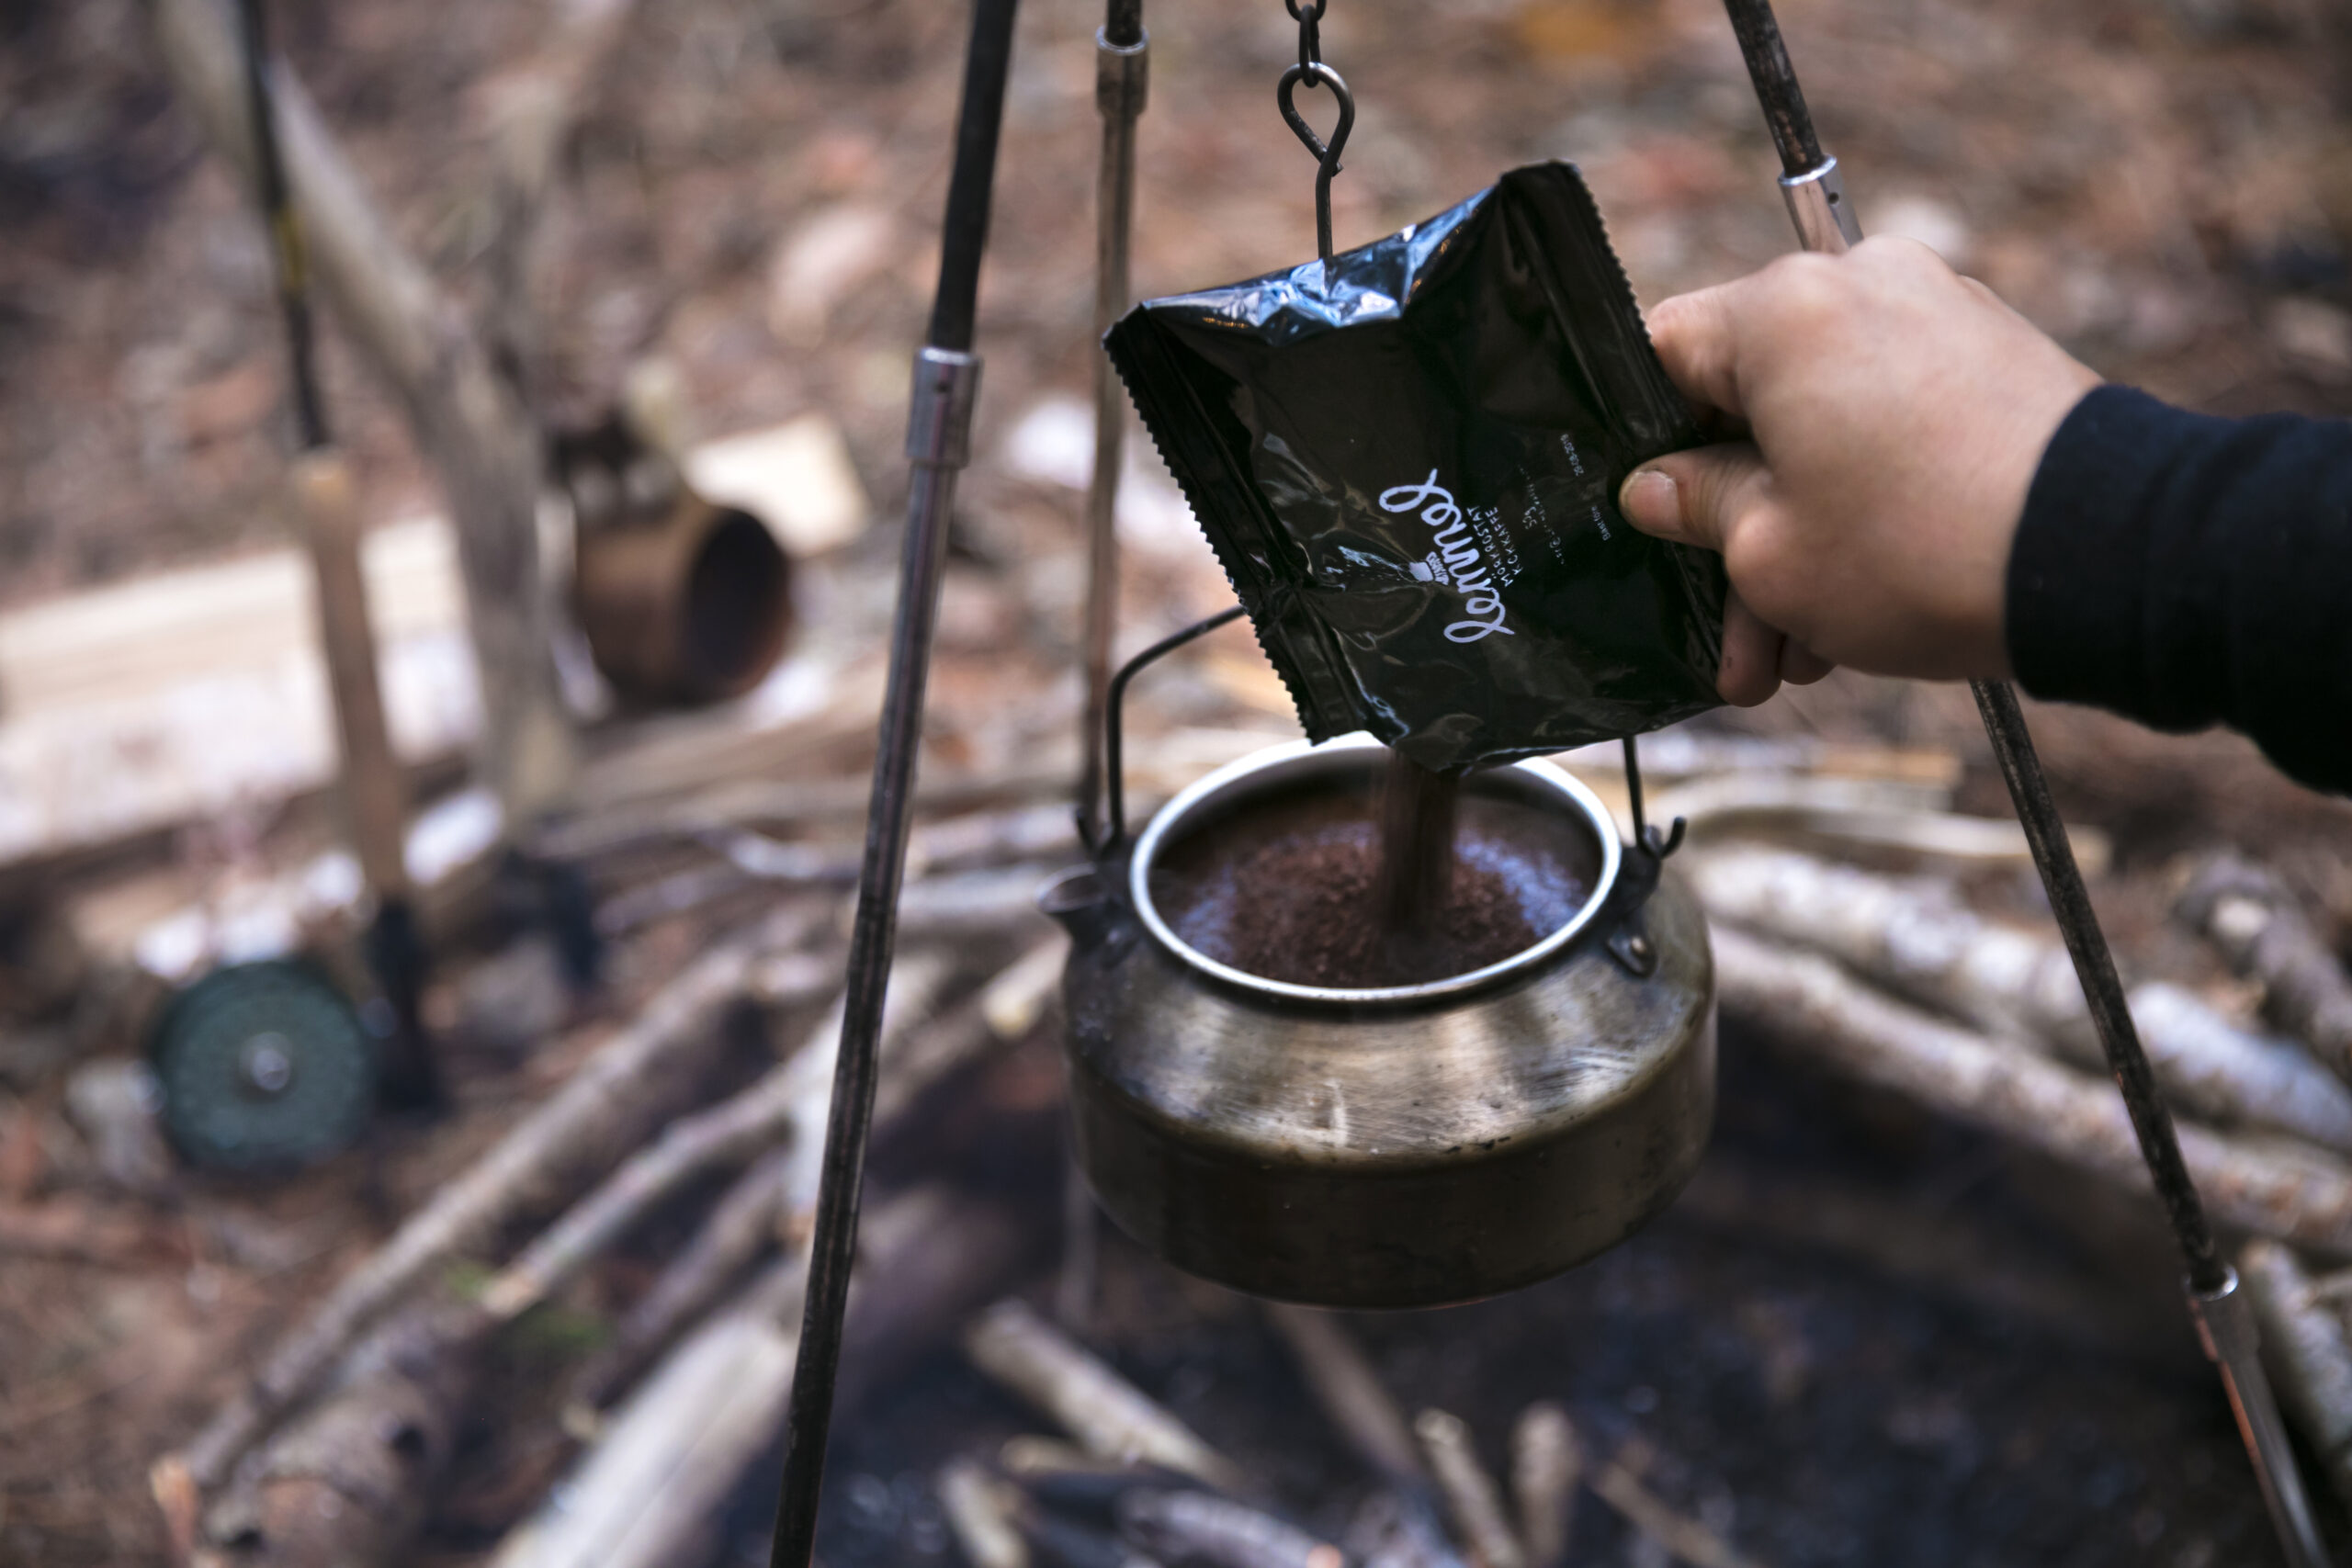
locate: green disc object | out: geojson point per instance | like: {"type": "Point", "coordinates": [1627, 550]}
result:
{"type": "Point", "coordinates": [263, 1066]}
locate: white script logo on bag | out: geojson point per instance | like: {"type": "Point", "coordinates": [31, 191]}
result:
{"type": "Point", "coordinates": [1457, 553]}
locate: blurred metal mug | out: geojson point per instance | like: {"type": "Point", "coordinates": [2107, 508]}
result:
{"type": "Point", "coordinates": [681, 600]}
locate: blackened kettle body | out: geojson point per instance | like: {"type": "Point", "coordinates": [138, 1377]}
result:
{"type": "Point", "coordinates": [1403, 1148]}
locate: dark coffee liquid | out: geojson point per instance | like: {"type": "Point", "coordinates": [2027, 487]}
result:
{"type": "Point", "coordinates": [1290, 888]}
{"type": "Point", "coordinates": [1417, 822]}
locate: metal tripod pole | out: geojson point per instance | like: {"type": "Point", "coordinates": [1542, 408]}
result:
{"type": "Point", "coordinates": [1815, 191]}
{"type": "Point", "coordinates": [1121, 83]}
{"type": "Point", "coordinates": [946, 380]}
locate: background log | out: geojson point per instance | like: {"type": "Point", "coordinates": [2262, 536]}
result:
{"type": "Point", "coordinates": [465, 417]}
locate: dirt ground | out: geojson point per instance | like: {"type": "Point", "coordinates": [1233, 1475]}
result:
{"type": "Point", "coordinates": [2165, 186]}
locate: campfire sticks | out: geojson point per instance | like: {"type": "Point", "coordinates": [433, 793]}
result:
{"type": "Point", "coordinates": [1813, 1007]}
{"type": "Point", "coordinates": [1815, 192]}
{"type": "Point", "coordinates": [1183, 1527]}
{"type": "Point", "coordinates": [1918, 938]}
{"type": "Point", "coordinates": [781, 1104]}
{"type": "Point", "coordinates": [1618, 1485]}
{"type": "Point", "coordinates": [1351, 1392]}
{"type": "Point", "coordinates": [606, 1105]}
{"type": "Point", "coordinates": [2303, 1339]}
{"type": "Point", "coordinates": [654, 1488]}
{"type": "Point", "coordinates": [778, 1194]}
{"type": "Point", "coordinates": [2261, 929]}
{"type": "Point", "coordinates": [1546, 1468]}
{"type": "Point", "coordinates": [1471, 1496]}
{"type": "Point", "coordinates": [1104, 1411]}
{"type": "Point", "coordinates": [739, 1228]}
{"type": "Point", "coordinates": [983, 1512]}
{"type": "Point", "coordinates": [347, 1484]}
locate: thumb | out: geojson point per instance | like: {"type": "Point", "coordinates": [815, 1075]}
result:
{"type": "Point", "coordinates": [1697, 497]}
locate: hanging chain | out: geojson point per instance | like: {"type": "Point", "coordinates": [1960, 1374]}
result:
{"type": "Point", "coordinates": [1311, 70]}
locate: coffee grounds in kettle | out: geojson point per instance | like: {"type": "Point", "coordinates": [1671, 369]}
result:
{"type": "Point", "coordinates": [1289, 890]}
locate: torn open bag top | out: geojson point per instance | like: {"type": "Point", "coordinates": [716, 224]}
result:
{"type": "Point", "coordinates": [1408, 465]}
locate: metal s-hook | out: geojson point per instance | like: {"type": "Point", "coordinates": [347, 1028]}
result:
{"type": "Point", "coordinates": [1311, 70]}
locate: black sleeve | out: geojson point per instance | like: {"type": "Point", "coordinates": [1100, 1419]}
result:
{"type": "Point", "coordinates": [2185, 570]}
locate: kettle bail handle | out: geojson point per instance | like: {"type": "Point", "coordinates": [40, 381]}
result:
{"type": "Point", "coordinates": [1114, 730]}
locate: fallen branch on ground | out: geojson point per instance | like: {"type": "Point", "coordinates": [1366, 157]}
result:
{"type": "Point", "coordinates": [607, 1106]}
{"type": "Point", "coordinates": [374, 1527]}
{"type": "Point", "coordinates": [1546, 1469]}
{"type": "Point", "coordinates": [1811, 1007]}
{"type": "Point", "coordinates": [1919, 939]}
{"type": "Point", "coordinates": [1618, 1485]}
{"type": "Point", "coordinates": [651, 1491]}
{"type": "Point", "coordinates": [739, 1228]}
{"type": "Point", "coordinates": [1200, 1527]}
{"type": "Point", "coordinates": [787, 1103]}
{"type": "Point", "coordinates": [1106, 1414]}
{"type": "Point", "coordinates": [2304, 1344]}
{"type": "Point", "coordinates": [1352, 1397]}
{"type": "Point", "coordinates": [2260, 927]}
{"type": "Point", "coordinates": [346, 1484]}
{"type": "Point", "coordinates": [1471, 1496]}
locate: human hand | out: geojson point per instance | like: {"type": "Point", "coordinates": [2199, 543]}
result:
{"type": "Point", "coordinates": [1895, 413]}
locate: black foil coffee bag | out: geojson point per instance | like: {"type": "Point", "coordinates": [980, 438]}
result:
{"type": "Point", "coordinates": [1408, 465]}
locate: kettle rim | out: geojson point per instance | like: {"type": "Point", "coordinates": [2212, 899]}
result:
{"type": "Point", "coordinates": [1196, 796]}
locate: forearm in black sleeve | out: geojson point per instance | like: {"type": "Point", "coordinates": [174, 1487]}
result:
{"type": "Point", "coordinates": [2187, 570]}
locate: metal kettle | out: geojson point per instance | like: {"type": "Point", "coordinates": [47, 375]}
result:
{"type": "Point", "coordinates": [1408, 1146]}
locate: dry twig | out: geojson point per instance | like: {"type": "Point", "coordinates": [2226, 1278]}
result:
{"type": "Point", "coordinates": [1178, 1527]}
{"type": "Point", "coordinates": [983, 1513]}
{"type": "Point", "coordinates": [1471, 1496]}
{"type": "Point", "coordinates": [1546, 1468]}
{"type": "Point", "coordinates": [1618, 1485]}
{"type": "Point", "coordinates": [1351, 1392]}
{"type": "Point", "coordinates": [1104, 1411]}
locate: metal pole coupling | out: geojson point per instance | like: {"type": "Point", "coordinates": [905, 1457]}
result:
{"type": "Point", "coordinates": [1817, 206]}
{"type": "Point", "coordinates": [1122, 76]}
{"type": "Point", "coordinates": [939, 412]}
{"type": "Point", "coordinates": [2225, 1323]}
{"type": "Point", "coordinates": [1122, 86]}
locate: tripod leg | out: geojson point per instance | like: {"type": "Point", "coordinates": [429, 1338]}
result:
{"type": "Point", "coordinates": [947, 380]}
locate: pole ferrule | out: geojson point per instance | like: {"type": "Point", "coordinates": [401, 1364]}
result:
{"type": "Point", "coordinates": [1818, 205]}
{"type": "Point", "coordinates": [939, 413]}
{"type": "Point", "coordinates": [2225, 1323]}
{"type": "Point", "coordinates": [1122, 75]}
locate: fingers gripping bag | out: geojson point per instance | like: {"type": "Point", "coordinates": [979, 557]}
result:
{"type": "Point", "coordinates": [1408, 463]}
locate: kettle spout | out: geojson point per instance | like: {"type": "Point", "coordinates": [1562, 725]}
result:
{"type": "Point", "coordinates": [1080, 899]}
